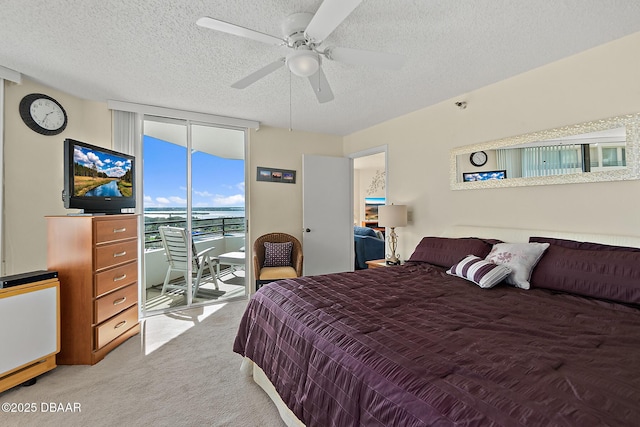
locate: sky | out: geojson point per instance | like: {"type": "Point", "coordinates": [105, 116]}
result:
{"type": "Point", "coordinates": [217, 182]}
{"type": "Point", "coordinates": [112, 166]}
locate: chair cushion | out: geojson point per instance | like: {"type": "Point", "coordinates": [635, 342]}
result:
{"type": "Point", "coordinates": [277, 254]}
{"type": "Point", "coordinates": [271, 273]}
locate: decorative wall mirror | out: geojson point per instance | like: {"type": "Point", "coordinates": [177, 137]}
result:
{"type": "Point", "coordinates": [602, 150]}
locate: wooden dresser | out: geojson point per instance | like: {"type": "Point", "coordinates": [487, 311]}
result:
{"type": "Point", "coordinates": [96, 258]}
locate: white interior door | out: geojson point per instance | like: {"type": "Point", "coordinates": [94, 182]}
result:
{"type": "Point", "coordinates": [327, 213]}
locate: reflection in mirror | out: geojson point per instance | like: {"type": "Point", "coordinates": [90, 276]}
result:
{"type": "Point", "coordinates": [596, 151]}
{"type": "Point", "coordinates": [589, 152]}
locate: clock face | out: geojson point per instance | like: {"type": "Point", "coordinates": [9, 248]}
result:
{"type": "Point", "coordinates": [479, 158]}
{"type": "Point", "coordinates": [43, 114]}
{"type": "Point", "coordinates": [47, 114]}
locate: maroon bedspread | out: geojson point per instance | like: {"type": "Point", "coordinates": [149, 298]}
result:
{"type": "Point", "coordinates": [412, 346]}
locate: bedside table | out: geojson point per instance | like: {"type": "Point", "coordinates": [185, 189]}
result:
{"type": "Point", "coordinates": [377, 263]}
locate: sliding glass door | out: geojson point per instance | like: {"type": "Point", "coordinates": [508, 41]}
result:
{"type": "Point", "coordinates": [193, 183]}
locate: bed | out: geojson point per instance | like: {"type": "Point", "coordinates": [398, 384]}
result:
{"type": "Point", "coordinates": [419, 344]}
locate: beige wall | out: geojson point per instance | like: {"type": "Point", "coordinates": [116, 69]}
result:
{"type": "Point", "coordinates": [598, 83]}
{"type": "Point", "coordinates": [33, 171]}
{"type": "Point", "coordinates": [277, 207]}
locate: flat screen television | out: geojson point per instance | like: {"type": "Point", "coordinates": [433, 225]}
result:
{"type": "Point", "coordinates": [483, 176]}
{"type": "Point", "coordinates": [97, 180]}
{"type": "Point", "coordinates": [371, 207]}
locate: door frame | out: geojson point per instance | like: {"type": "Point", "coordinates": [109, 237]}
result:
{"type": "Point", "coordinates": [368, 152]}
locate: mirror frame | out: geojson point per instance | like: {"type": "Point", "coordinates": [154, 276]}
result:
{"type": "Point", "coordinates": [631, 123]}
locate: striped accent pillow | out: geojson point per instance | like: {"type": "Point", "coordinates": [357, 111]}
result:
{"type": "Point", "coordinates": [483, 273]}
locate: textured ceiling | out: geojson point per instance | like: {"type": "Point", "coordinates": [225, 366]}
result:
{"type": "Point", "coordinates": [152, 52]}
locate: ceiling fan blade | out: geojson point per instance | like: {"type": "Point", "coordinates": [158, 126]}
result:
{"type": "Point", "coordinates": [226, 27]}
{"type": "Point", "coordinates": [321, 86]}
{"type": "Point", "coordinates": [329, 15]}
{"type": "Point", "coordinates": [257, 75]}
{"type": "Point", "coordinates": [389, 61]}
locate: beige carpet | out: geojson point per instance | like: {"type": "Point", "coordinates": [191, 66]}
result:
{"type": "Point", "coordinates": [180, 372]}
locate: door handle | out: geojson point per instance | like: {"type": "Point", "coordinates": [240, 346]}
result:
{"type": "Point", "coordinates": [306, 230]}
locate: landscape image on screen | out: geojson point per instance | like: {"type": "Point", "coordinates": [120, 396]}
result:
{"type": "Point", "coordinates": [100, 174]}
{"type": "Point", "coordinates": [371, 207]}
{"type": "Point", "coordinates": [484, 176]}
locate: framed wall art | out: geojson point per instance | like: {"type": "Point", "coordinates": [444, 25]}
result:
{"type": "Point", "coordinates": [276, 175]}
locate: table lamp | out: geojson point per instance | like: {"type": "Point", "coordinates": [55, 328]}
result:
{"type": "Point", "coordinates": [392, 216]}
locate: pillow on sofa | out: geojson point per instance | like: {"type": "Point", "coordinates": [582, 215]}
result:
{"type": "Point", "coordinates": [611, 274]}
{"type": "Point", "coordinates": [520, 257]}
{"type": "Point", "coordinates": [277, 254]}
{"type": "Point", "coordinates": [446, 251]}
{"type": "Point", "coordinates": [364, 231]}
{"type": "Point", "coordinates": [483, 273]}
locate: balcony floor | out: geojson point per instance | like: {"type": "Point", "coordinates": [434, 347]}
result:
{"type": "Point", "coordinates": [230, 283]}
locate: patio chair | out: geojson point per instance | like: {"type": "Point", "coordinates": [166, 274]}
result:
{"type": "Point", "coordinates": [176, 244]}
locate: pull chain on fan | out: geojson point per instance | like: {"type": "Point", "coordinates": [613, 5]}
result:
{"type": "Point", "coordinates": [290, 126]}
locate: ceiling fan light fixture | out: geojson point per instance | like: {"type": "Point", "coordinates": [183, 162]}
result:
{"type": "Point", "coordinates": [303, 63]}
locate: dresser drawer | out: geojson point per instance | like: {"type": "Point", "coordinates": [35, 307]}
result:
{"type": "Point", "coordinates": [114, 303]}
{"type": "Point", "coordinates": [111, 329]}
{"type": "Point", "coordinates": [115, 278]}
{"type": "Point", "coordinates": [115, 254]}
{"type": "Point", "coordinates": [115, 229]}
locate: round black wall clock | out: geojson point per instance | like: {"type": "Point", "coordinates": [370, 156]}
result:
{"type": "Point", "coordinates": [43, 114]}
{"type": "Point", "coordinates": [479, 158]}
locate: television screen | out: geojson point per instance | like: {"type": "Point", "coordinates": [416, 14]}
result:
{"type": "Point", "coordinates": [97, 180]}
{"type": "Point", "coordinates": [371, 207]}
{"type": "Point", "coordinates": [484, 176]}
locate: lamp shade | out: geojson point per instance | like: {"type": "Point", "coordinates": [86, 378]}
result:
{"type": "Point", "coordinates": [392, 215]}
{"type": "Point", "coordinates": [303, 63]}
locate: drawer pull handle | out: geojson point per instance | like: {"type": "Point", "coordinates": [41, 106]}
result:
{"type": "Point", "coordinates": [119, 325]}
{"type": "Point", "coordinates": [117, 254]}
{"type": "Point", "coordinates": [117, 279]}
{"type": "Point", "coordinates": [120, 301]}
{"type": "Point", "coordinates": [119, 230]}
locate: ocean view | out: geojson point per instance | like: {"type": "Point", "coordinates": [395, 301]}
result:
{"type": "Point", "coordinates": [207, 222]}
{"type": "Point", "coordinates": [198, 212]}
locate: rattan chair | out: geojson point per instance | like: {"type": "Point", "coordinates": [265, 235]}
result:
{"type": "Point", "coordinates": [265, 275]}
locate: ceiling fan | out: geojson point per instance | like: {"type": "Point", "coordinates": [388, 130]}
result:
{"type": "Point", "coordinates": [303, 34]}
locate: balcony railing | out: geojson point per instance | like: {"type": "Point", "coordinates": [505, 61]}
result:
{"type": "Point", "coordinates": [201, 228]}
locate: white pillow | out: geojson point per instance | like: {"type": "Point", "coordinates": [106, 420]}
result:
{"type": "Point", "coordinates": [520, 257]}
{"type": "Point", "coordinates": [483, 273]}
